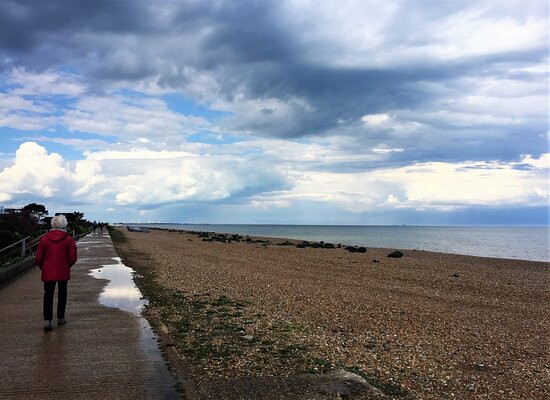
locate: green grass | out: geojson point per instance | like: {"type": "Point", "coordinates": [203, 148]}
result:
{"type": "Point", "coordinates": [117, 236]}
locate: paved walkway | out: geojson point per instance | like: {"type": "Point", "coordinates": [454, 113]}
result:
{"type": "Point", "coordinates": [101, 353]}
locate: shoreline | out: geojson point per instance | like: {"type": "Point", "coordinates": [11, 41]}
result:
{"type": "Point", "coordinates": [274, 239]}
{"type": "Point", "coordinates": [428, 325]}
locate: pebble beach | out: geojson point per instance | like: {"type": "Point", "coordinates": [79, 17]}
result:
{"type": "Point", "coordinates": [427, 325]}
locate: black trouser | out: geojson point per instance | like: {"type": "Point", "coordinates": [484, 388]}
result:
{"type": "Point", "coordinates": [49, 288]}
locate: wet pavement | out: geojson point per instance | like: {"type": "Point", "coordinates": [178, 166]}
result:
{"type": "Point", "coordinates": [106, 350]}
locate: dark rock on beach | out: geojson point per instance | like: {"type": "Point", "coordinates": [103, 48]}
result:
{"type": "Point", "coordinates": [395, 254]}
{"type": "Point", "coordinates": [356, 249]}
{"type": "Point", "coordinates": [320, 245]}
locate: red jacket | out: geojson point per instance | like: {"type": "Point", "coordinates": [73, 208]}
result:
{"type": "Point", "coordinates": [55, 255]}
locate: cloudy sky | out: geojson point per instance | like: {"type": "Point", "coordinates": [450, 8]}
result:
{"type": "Point", "coordinates": [304, 112]}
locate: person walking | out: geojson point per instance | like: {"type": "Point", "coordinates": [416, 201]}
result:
{"type": "Point", "coordinates": [55, 255]}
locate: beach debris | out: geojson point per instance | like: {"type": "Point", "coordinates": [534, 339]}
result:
{"type": "Point", "coordinates": [375, 260]}
{"type": "Point", "coordinates": [395, 254]}
{"type": "Point", "coordinates": [455, 275]}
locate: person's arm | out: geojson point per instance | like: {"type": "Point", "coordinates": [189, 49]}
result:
{"type": "Point", "coordinates": [39, 256]}
{"type": "Point", "coordinates": [72, 253]}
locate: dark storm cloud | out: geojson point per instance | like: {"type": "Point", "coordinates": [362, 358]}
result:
{"type": "Point", "coordinates": [251, 53]}
{"type": "Point", "coordinates": [25, 24]}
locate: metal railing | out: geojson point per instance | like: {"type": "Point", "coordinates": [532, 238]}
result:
{"type": "Point", "coordinates": [18, 250]}
{"type": "Point", "coordinates": [26, 246]}
{"type": "Point", "coordinates": [22, 241]}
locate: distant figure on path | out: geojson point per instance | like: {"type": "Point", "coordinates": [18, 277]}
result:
{"type": "Point", "coordinates": [55, 255]}
{"type": "Point", "coordinates": [94, 225]}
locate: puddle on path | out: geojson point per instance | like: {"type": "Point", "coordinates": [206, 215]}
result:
{"type": "Point", "coordinates": [121, 291]}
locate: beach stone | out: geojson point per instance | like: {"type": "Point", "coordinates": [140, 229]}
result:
{"type": "Point", "coordinates": [395, 254]}
{"type": "Point", "coordinates": [356, 249]}
{"type": "Point", "coordinates": [248, 338]}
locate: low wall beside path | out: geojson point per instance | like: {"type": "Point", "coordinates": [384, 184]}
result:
{"type": "Point", "coordinates": [14, 270]}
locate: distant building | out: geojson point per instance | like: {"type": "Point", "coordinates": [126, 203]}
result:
{"type": "Point", "coordinates": [12, 210]}
{"type": "Point", "coordinates": [6, 212]}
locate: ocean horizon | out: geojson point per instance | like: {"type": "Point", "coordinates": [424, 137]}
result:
{"type": "Point", "coordinates": [515, 242]}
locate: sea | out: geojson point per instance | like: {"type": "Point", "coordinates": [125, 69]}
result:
{"type": "Point", "coordinates": [518, 242]}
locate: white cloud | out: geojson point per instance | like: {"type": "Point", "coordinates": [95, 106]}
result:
{"type": "Point", "coordinates": [47, 83]}
{"type": "Point", "coordinates": [135, 154]}
{"type": "Point", "coordinates": [130, 118]}
{"type": "Point", "coordinates": [35, 172]}
{"type": "Point", "coordinates": [375, 119]}
{"type": "Point", "coordinates": [87, 176]}
{"type": "Point", "coordinates": [362, 34]}
{"type": "Point", "coordinates": [432, 185]}
{"type": "Point", "coordinates": [392, 199]}
{"type": "Point", "coordinates": [80, 144]}
{"type": "Point", "coordinates": [476, 32]}
{"type": "Point", "coordinates": [139, 178]}
{"type": "Point", "coordinates": [543, 162]}
{"type": "Point", "coordinates": [134, 178]}
{"type": "Point", "coordinates": [385, 150]}
{"type": "Point", "coordinates": [10, 102]}
{"type": "Point", "coordinates": [270, 204]}
{"type": "Point", "coordinates": [304, 155]}
{"type": "Point", "coordinates": [26, 122]}
{"type": "Point", "coordinates": [468, 183]}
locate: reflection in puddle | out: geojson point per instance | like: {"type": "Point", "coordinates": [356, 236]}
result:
{"type": "Point", "coordinates": [120, 292]}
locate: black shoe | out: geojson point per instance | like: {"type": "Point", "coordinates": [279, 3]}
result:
{"type": "Point", "coordinates": [48, 325]}
{"type": "Point", "coordinates": [61, 321]}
